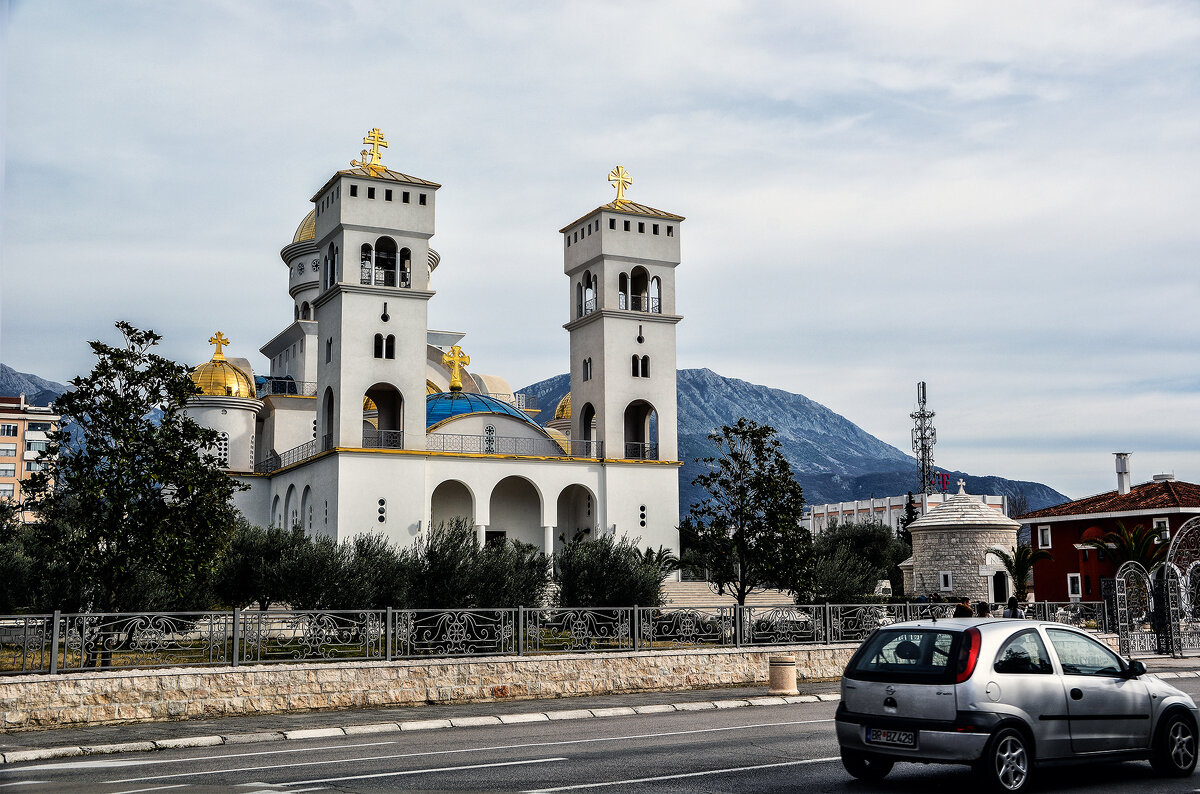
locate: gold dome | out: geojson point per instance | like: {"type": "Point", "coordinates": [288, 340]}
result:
{"type": "Point", "coordinates": [563, 411]}
{"type": "Point", "coordinates": [431, 388]}
{"type": "Point", "coordinates": [219, 378]}
{"type": "Point", "coordinates": [307, 230]}
{"type": "Point", "coordinates": [560, 438]}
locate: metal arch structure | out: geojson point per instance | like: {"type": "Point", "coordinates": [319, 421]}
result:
{"type": "Point", "coordinates": [1182, 580]}
{"type": "Point", "coordinates": [1134, 607]}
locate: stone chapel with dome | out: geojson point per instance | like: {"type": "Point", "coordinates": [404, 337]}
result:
{"type": "Point", "coordinates": [370, 421]}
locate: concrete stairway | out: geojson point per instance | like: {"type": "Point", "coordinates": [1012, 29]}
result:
{"type": "Point", "coordinates": [700, 594]}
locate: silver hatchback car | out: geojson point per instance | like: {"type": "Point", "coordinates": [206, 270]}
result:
{"type": "Point", "coordinates": [1005, 696]}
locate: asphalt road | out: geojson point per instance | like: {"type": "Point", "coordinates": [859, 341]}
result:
{"type": "Point", "coordinates": [775, 748]}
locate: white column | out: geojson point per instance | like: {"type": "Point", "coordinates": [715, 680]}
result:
{"type": "Point", "coordinates": [480, 536]}
{"type": "Point", "coordinates": [548, 540]}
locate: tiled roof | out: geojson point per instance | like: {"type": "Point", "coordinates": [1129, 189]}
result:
{"type": "Point", "coordinates": [630, 208]}
{"type": "Point", "coordinates": [385, 174]}
{"type": "Point", "coordinates": [1146, 497]}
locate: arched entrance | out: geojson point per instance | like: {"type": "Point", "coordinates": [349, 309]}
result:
{"type": "Point", "coordinates": [576, 514]}
{"type": "Point", "coordinates": [451, 500]}
{"type": "Point", "coordinates": [641, 431]}
{"type": "Point", "coordinates": [516, 510]}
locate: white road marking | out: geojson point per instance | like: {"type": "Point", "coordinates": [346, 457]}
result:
{"type": "Point", "coordinates": [523, 746]}
{"type": "Point", "coordinates": [682, 775]}
{"type": "Point", "coordinates": [156, 788]}
{"type": "Point", "coordinates": [425, 771]}
{"type": "Point", "coordinates": [24, 783]}
{"type": "Point", "coordinates": [148, 761]}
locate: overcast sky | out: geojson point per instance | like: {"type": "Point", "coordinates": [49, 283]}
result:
{"type": "Point", "coordinates": [1000, 199]}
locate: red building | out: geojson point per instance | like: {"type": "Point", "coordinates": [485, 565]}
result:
{"type": "Point", "coordinates": [1074, 573]}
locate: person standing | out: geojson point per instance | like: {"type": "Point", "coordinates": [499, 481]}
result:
{"type": "Point", "coordinates": [963, 609]}
{"type": "Point", "coordinates": [983, 609]}
{"type": "Point", "coordinates": [1013, 611]}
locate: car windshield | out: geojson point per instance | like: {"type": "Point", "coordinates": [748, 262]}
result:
{"type": "Point", "coordinates": [919, 656]}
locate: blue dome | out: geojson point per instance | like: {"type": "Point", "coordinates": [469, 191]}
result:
{"type": "Point", "coordinates": [449, 404]}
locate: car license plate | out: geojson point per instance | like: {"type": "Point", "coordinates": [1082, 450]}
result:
{"type": "Point", "coordinates": [891, 737]}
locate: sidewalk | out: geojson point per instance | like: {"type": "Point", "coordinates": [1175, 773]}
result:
{"type": "Point", "coordinates": [141, 737]}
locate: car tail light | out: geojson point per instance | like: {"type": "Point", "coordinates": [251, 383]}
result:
{"type": "Point", "coordinates": [968, 655]}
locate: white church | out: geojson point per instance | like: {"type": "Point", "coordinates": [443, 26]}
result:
{"type": "Point", "coordinates": [370, 421]}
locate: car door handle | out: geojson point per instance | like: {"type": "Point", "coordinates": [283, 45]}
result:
{"type": "Point", "coordinates": [1076, 694]}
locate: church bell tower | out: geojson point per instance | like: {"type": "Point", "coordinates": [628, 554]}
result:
{"type": "Point", "coordinates": [373, 227]}
{"type": "Point", "coordinates": [620, 259]}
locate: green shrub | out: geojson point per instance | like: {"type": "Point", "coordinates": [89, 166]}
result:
{"type": "Point", "coordinates": [606, 572]}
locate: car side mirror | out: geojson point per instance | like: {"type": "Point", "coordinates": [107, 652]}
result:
{"type": "Point", "coordinates": [1135, 669]}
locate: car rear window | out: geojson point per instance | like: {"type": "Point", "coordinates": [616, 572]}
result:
{"type": "Point", "coordinates": [917, 656]}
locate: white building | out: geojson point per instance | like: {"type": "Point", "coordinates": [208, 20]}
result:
{"type": "Point", "coordinates": [370, 422]}
{"type": "Point", "coordinates": [887, 509]}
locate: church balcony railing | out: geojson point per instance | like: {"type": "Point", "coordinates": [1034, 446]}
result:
{"type": "Point", "coordinates": [636, 450]}
{"type": "Point", "coordinates": [285, 386]}
{"type": "Point", "coordinates": [589, 306]}
{"type": "Point", "coordinates": [370, 275]}
{"type": "Point", "coordinates": [509, 445]}
{"type": "Point", "coordinates": [294, 455]}
{"type": "Point", "coordinates": [383, 439]}
{"type": "Point", "coordinates": [641, 303]}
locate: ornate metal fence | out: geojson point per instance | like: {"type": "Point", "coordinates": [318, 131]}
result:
{"type": "Point", "coordinates": [79, 642]}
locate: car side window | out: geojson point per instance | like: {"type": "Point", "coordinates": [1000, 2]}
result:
{"type": "Point", "coordinates": [1023, 653]}
{"type": "Point", "coordinates": [1080, 655]}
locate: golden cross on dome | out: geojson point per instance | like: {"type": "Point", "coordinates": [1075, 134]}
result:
{"type": "Point", "coordinates": [220, 341]}
{"type": "Point", "coordinates": [455, 360]}
{"type": "Point", "coordinates": [620, 179]}
{"type": "Point", "coordinates": [375, 140]}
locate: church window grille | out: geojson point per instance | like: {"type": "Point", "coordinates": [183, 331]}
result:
{"type": "Point", "coordinates": [387, 195]}
{"type": "Point", "coordinates": [612, 223]}
{"type": "Point", "coordinates": [370, 192]}
{"type": "Point", "coordinates": [404, 197]}
{"type": "Point", "coordinates": [670, 231]}
{"type": "Point", "coordinates": [489, 439]}
{"type": "Point", "coordinates": [421, 199]}
{"type": "Point", "coordinates": [654, 229]}
{"type": "Point", "coordinates": [223, 449]}
{"type": "Point", "coordinates": [354, 191]}
{"type": "Point", "coordinates": [378, 345]}
{"type": "Point", "coordinates": [641, 228]}
{"type": "Point", "coordinates": [389, 347]}
{"type": "Point", "coordinates": [626, 225]}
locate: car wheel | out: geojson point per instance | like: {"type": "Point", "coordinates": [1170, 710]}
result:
{"type": "Point", "coordinates": [1007, 763]}
{"type": "Point", "coordinates": [1175, 751]}
{"type": "Point", "coordinates": [866, 767]}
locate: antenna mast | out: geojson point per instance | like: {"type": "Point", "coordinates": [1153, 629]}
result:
{"type": "Point", "coordinates": [924, 436]}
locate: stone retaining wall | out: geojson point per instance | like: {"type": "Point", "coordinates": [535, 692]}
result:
{"type": "Point", "coordinates": [39, 701]}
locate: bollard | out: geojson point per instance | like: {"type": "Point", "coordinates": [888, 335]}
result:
{"type": "Point", "coordinates": [782, 678]}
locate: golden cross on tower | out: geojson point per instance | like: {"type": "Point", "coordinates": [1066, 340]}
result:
{"type": "Point", "coordinates": [455, 360]}
{"type": "Point", "coordinates": [375, 140]}
{"type": "Point", "coordinates": [220, 341]}
{"type": "Point", "coordinates": [620, 179]}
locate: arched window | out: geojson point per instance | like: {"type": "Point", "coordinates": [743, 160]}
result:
{"type": "Point", "coordinates": [578, 298]}
{"type": "Point", "coordinates": [639, 287]}
{"type": "Point", "coordinates": [366, 264]}
{"type": "Point", "coordinates": [641, 431]}
{"type": "Point", "coordinates": [330, 267]}
{"type": "Point", "coordinates": [327, 429]}
{"type": "Point", "coordinates": [656, 295]}
{"type": "Point", "coordinates": [378, 345]}
{"type": "Point", "coordinates": [623, 291]}
{"type": "Point", "coordinates": [389, 347]}
{"type": "Point", "coordinates": [645, 366]}
{"type": "Point", "coordinates": [589, 293]}
{"type": "Point", "coordinates": [305, 311]}
{"type": "Point", "coordinates": [385, 262]}
{"type": "Point", "coordinates": [297, 313]}
{"type": "Point", "coordinates": [405, 268]}
{"type": "Point", "coordinates": [637, 366]}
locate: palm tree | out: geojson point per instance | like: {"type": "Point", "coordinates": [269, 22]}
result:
{"type": "Point", "coordinates": [1019, 565]}
{"type": "Point", "coordinates": [1124, 545]}
{"type": "Point", "coordinates": [663, 559]}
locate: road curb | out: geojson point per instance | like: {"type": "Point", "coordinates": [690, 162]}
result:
{"type": "Point", "coordinates": [47, 753]}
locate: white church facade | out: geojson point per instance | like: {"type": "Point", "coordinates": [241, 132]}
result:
{"type": "Point", "coordinates": [369, 421]}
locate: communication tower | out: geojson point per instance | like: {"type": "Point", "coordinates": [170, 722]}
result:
{"type": "Point", "coordinates": [924, 436]}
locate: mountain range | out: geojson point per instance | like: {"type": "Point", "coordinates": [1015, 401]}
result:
{"type": "Point", "coordinates": [834, 459]}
